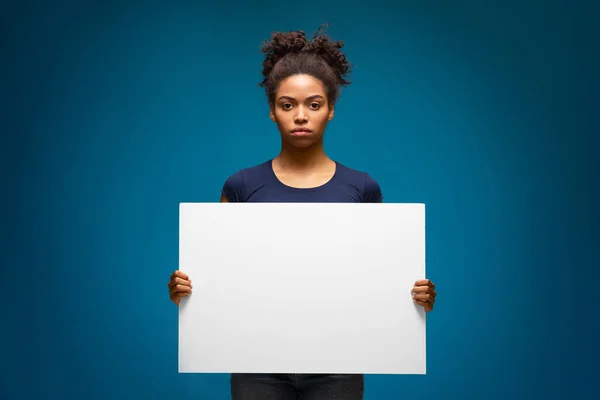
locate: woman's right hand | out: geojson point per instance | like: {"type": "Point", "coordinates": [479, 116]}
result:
{"type": "Point", "coordinates": [180, 286]}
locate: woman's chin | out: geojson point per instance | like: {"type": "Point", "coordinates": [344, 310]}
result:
{"type": "Point", "coordinates": [302, 141]}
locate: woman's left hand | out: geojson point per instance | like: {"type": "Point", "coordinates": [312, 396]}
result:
{"type": "Point", "coordinates": [424, 294]}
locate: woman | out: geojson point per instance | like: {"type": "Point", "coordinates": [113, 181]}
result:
{"type": "Point", "coordinates": [302, 80]}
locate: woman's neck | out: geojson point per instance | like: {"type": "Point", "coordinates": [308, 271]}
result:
{"type": "Point", "coordinates": [302, 158]}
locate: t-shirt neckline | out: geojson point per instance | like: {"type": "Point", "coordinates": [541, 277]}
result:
{"type": "Point", "coordinates": [269, 165]}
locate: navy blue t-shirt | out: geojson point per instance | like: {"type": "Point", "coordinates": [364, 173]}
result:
{"type": "Point", "coordinates": [259, 184]}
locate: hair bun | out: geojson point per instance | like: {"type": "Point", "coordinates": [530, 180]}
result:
{"type": "Point", "coordinates": [284, 43]}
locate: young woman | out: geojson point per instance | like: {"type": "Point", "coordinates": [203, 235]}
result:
{"type": "Point", "coordinates": [302, 80]}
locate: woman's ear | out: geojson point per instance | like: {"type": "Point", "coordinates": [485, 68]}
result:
{"type": "Point", "coordinates": [331, 113]}
{"type": "Point", "coordinates": [272, 113]}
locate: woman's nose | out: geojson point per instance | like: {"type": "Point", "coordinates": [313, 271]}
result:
{"type": "Point", "coordinates": [301, 116]}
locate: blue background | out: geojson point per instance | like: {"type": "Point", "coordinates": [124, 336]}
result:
{"type": "Point", "coordinates": [114, 112]}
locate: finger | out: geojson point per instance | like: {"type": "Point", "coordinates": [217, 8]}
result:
{"type": "Point", "coordinates": [425, 282]}
{"type": "Point", "coordinates": [423, 289]}
{"type": "Point", "coordinates": [423, 302]}
{"type": "Point", "coordinates": [177, 296]}
{"type": "Point", "coordinates": [179, 274]}
{"type": "Point", "coordinates": [180, 289]}
{"type": "Point", "coordinates": [424, 297]}
{"type": "Point", "coordinates": [179, 281]}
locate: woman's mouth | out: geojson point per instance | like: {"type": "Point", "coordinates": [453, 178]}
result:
{"type": "Point", "coordinates": [301, 132]}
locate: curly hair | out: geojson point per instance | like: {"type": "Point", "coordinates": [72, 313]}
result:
{"type": "Point", "coordinates": [290, 53]}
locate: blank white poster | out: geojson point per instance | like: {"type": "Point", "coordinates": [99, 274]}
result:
{"type": "Point", "coordinates": [302, 288]}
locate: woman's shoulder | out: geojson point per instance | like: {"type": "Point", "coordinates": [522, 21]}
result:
{"type": "Point", "coordinates": [369, 187]}
{"type": "Point", "coordinates": [256, 170]}
{"type": "Point", "coordinates": [235, 186]}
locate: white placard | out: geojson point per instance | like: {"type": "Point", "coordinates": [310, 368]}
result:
{"type": "Point", "coordinates": [302, 288]}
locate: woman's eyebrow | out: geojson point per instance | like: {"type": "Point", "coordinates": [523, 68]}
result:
{"type": "Point", "coordinates": [315, 96]}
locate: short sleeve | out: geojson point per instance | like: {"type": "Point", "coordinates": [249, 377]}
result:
{"type": "Point", "coordinates": [234, 188]}
{"type": "Point", "coordinates": [372, 191]}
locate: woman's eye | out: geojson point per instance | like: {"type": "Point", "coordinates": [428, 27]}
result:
{"type": "Point", "coordinates": [315, 105]}
{"type": "Point", "coordinates": [286, 106]}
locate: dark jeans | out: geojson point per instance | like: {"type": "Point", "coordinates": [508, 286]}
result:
{"type": "Point", "coordinates": [296, 387]}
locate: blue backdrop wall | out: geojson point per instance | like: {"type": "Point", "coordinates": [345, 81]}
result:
{"type": "Point", "coordinates": [114, 112]}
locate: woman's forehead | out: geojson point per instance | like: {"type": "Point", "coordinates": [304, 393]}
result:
{"type": "Point", "coordinates": [304, 85]}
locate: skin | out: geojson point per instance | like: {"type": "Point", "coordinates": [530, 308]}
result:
{"type": "Point", "coordinates": [301, 101]}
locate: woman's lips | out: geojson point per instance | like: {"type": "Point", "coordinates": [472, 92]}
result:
{"type": "Point", "coordinates": [301, 132]}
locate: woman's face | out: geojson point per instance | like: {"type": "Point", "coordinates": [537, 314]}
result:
{"type": "Point", "coordinates": [301, 110]}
